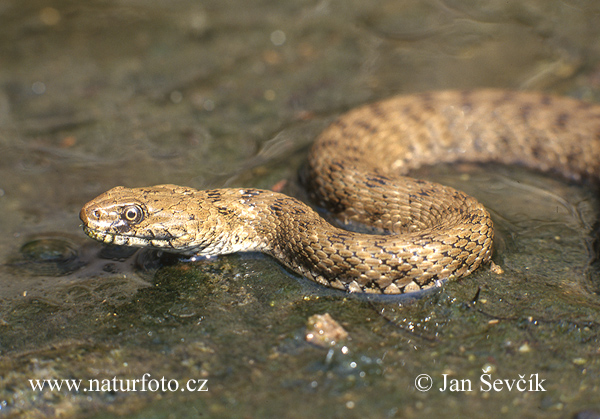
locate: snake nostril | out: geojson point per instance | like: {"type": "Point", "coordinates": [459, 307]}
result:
{"type": "Point", "coordinates": [96, 214]}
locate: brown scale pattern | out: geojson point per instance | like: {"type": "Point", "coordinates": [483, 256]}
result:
{"type": "Point", "coordinates": [426, 232]}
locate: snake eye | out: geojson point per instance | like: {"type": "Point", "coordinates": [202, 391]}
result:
{"type": "Point", "coordinates": [133, 213]}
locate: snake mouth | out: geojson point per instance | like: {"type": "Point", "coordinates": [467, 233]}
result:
{"type": "Point", "coordinates": [122, 240]}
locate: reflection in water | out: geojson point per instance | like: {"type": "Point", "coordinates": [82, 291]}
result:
{"type": "Point", "coordinates": [48, 264]}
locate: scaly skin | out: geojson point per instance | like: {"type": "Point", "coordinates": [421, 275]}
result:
{"type": "Point", "coordinates": [428, 232]}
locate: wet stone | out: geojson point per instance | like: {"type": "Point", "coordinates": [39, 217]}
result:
{"type": "Point", "coordinates": [48, 255]}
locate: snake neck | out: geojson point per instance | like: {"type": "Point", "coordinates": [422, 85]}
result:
{"type": "Point", "coordinates": [254, 220]}
{"type": "Point", "coordinates": [272, 223]}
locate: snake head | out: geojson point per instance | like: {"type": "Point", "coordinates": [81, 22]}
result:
{"type": "Point", "coordinates": [142, 217]}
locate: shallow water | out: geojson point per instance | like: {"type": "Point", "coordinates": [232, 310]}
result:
{"type": "Point", "coordinates": [232, 93]}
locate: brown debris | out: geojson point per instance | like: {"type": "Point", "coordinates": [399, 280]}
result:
{"type": "Point", "coordinates": [323, 331]}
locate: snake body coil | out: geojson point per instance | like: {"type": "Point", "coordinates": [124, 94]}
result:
{"type": "Point", "coordinates": [424, 232]}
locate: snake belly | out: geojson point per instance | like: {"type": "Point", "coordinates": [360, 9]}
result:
{"type": "Point", "coordinates": [423, 233]}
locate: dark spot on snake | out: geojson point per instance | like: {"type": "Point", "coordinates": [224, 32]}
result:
{"type": "Point", "coordinates": [162, 234]}
{"type": "Point", "coordinates": [225, 211]}
{"type": "Point", "coordinates": [276, 207]}
{"type": "Point", "coordinates": [122, 228]}
{"type": "Point", "coordinates": [479, 145]}
{"type": "Point", "coordinates": [339, 123]}
{"type": "Point", "coordinates": [249, 193]}
{"type": "Point", "coordinates": [327, 143]}
{"type": "Point", "coordinates": [377, 110]}
{"type": "Point", "coordinates": [466, 98]}
{"type": "Point", "coordinates": [303, 224]}
{"type": "Point", "coordinates": [366, 126]}
{"type": "Point", "coordinates": [337, 165]}
{"type": "Point", "coordinates": [426, 106]}
{"type": "Point", "coordinates": [214, 194]}
{"type": "Point", "coordinates": [297, 211]}
{"type": "Point", "coordinates": [376, 213]}
{"type": "Point", "coordinates": [546, 100]}
{"type": "Point", "coordinates": [571, 158]}
{"type": "Point", "coordinates": [561, 120]}
{"type": "Point", "coordinates": [337, 237]}
{"type": "Point", "coordinates": [525, 111]}
{"type": "Point", "coordinates": [537, 151]}
{"type": "Point", "coordinates": [473, 217]}
{"type": "Point", "coordinates": [373, 180]}
{"type": "Point", "coordinates": [334, 205]}
{"type": "Point", "coordinates": [583, 105]}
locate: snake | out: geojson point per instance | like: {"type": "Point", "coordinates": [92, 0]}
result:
{"type": "Point", "coordinates": [417, 234]}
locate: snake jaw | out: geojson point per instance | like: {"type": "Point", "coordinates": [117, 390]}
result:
{"type": "Point", "coordinates": [116, 239]}
{"type": "Point", "coordinates": [135, 241]}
